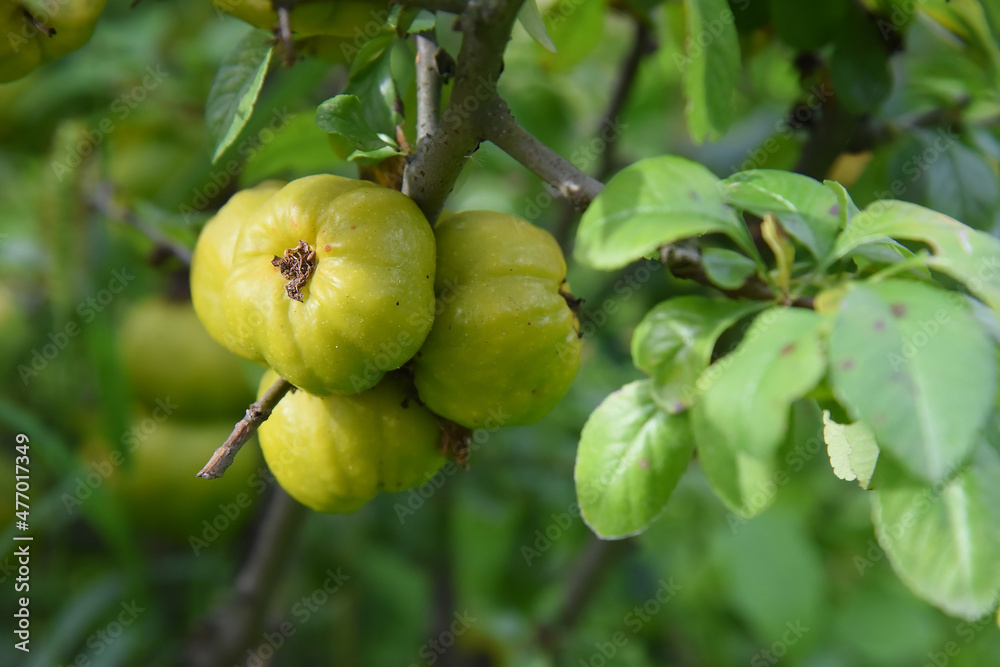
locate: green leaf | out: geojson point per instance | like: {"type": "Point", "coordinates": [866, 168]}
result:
{"type": "Point", "coordinates": [300, 149]}
{"type": "Point", "coordinates": [531, 20]}
{"type": "Point", "coordinates": [960, 181]}
{"type": "Point", "coordinates": [852, 449]}
{"type": "Point", "coordinates": [711, 67]}
{"type": "Point", "coordinates": [859, 64]}
{"type": "Point", "coordinates": [374, 86]}
{"type": "Point", "coordinates": [673, 344]}
{"type": "Point", "coordinates": [967, 255]}
{"type": "Point", "coordinates": [651, 203]}
{"type": "Point", "coordinates": [745, 483]}
{"type": "Point", "coordinates": [746, 395]}
{"type": "Point", "coordinates": [236, 87]}
{"type": "Point", "coordinates": [807, 209]}
{"type": "Point", "coordinates": [631, 456]}
{"type": "Point", "coordinates": [576, 29]}
{"type": "Point", "coordinates": [912, 363]}
{"type": "Point", "coordinates": [944, 543]}
{"type": "Point", "coordinates": [344, 115]}
{"type": "Point", "coordinates": [726, 268]}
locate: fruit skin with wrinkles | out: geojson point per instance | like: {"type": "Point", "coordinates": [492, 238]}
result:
{"type": "Point", "coordinates": [368, 301]}
{"type": "Point", "coordinates": [334, 454]}
{"type": "Point", "coordinates": [505, 346]}
{"type": "Point", "coordinates": [212, 261]}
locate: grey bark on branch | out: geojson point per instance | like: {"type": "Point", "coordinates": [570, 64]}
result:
{"type": "Point", "coordinates": [257, 414]}
{"type": "Point", "coordinates": [574, 185]}
{"type": "Point", "coordinates": [431, 172]}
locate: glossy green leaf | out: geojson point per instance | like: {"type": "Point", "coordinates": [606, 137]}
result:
{"type": "Point", "coordinates": [631, 456]}
{"type": "Point", "coordinates": [344, 115]}
{"type": "Point", "coordinates": [911, 362]}
{"type": "Point", "coordinates": [530, 19]}
{"type": "Point", "coordinates": [652, 203]}
{"type": "Point", "coordinates": [806, 209]}
{"type": "Point", "coordinates": [374, 86]}
{"type": "Point", "coordinates": [852, 450]}
{"type": "Point", "coordinates": [576, 29]}
{"type": "Point", "coordinates": [236, 87]}
{"type": "Point", "coordinates": [746, 395]}
{"type": "Point", "coordinates": [673, 344]}
{"type": "Point", "coordinates": [711, 67]}
{"type": "Point", "coordinates": [944, 542]}
{"type": "Point", "coordinates": [970, 256]}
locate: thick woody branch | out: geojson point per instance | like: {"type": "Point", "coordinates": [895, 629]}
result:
{"type": "Point", "coordinates": [432, 172]}
{"type": "Point", "coordinates": [257, 414]}
{"type": "Point", "coordinates": [509, 136]}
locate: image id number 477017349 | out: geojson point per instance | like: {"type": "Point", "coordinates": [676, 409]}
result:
{"type": "Point", "coordinates": [22, 484]}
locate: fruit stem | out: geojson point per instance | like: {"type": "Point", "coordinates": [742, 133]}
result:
{"type": "Point", "coordinates": [257, 414]}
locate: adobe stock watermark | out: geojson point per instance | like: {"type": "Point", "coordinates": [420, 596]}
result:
{"type": "Point", "coordinates": [87, 311]}
{"type": "Point", "coordinates": [432, 650]}
{"type": "Point", "coordinates": [101, 641]}
{"type": "Point", "coordinates": [122, 106]}
{"type": "Point", "coordinates": [581, 158]}
{"type": "Point", "coordinates": [459, 111]}
{"type": "Point", "coordinates": [592, 319]}
{"type": "Point", "coordinates": [417, 497]}
{"type": "Point", "coordinates": [101, 471]}
{"type": "Point", "coordinates": [395, 352]}
{"type": "Point", "coordinates": [561, 522]}
{"type": "Point", "coordinates": [212, 529]}
{"type": "Point", "coordinates": [967, 631]}
{"type": "Point", "coordinates": [634, 621]}
{"type": "Point", "coordinates": [247, 149]}
{"type": "Point", "coordinates": [263, 652]}
{"type": "Point", "coordinates": [773, 654]}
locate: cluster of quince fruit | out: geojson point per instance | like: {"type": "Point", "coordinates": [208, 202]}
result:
{"type": "Point", "coordinates": [391, 331]}
{"type": "Point", "coordinates": [40, 31]}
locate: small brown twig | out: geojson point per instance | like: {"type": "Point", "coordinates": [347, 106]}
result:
{"type": "Point", "coordinates": [257, 414]}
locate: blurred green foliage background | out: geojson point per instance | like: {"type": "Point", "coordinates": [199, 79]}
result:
{"type": "Point", "coordinates": [490, 566]}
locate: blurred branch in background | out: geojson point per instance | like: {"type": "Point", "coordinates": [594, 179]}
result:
{"type": "Point", "coordinates": [102, 200]}
{"type": "Point", "coordinates": [583, 580]}
{"type": "Point", "coordinates": [223, 634]}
